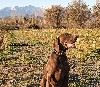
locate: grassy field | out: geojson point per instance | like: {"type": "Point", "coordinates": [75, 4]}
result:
{"type": "Point", "coordinates": [22, 66]}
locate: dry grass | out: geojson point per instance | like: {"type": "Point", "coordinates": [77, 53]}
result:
{"type": "Point", "coordinates": [23, 65]}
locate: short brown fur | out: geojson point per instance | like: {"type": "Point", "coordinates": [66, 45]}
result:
{"type": "Point", "coordinates": [57, 69]}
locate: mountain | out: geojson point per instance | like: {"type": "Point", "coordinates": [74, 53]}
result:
{"type": "Point", "coordinates": [18, 11]}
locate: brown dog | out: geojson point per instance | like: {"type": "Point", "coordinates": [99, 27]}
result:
{"type": "Point", "coordinates": [57, 69]}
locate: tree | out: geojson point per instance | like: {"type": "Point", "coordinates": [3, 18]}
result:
{"type": "Point", "coordinates": [96, 15]}
{"type": "Point", "coordinates": [77, 14]}
{"type": "Point", "coordinates": [54, 16]}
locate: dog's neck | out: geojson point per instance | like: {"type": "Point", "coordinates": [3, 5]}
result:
{"type": "Point", "coordinates": [60, 52]}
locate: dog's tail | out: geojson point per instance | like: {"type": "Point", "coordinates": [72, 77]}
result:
{"type": "Point", "coordinates": [43, 82]}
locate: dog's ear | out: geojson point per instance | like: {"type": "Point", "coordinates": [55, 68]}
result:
{"type": "Point", "coordinates": [56, 45]}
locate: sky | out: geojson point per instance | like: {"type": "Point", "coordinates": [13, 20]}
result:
{"type": "Point", "coordinates": [40, 3]}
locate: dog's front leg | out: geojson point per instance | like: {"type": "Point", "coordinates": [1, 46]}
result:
{"type": "Point", "coordinates": [43, 82]}
{"type": "Point", "coordinates": [65, 81]}
{"type": "Point", "coordinates": [48, 80]}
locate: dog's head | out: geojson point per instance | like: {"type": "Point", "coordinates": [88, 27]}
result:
{"type": "Point", "coordinates": [64, 42]}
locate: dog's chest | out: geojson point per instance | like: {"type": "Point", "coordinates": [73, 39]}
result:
{"type": "Point", "coordinates": [62, 63]}
{"type": "Point", "coordinates": [62, 68]}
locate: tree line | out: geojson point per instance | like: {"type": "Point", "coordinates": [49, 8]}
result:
{"type": "Point", "coordinates": [76, 15]}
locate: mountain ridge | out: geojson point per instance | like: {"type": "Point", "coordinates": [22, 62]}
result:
{"type": "Point", "coordinates": [20, 11]}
